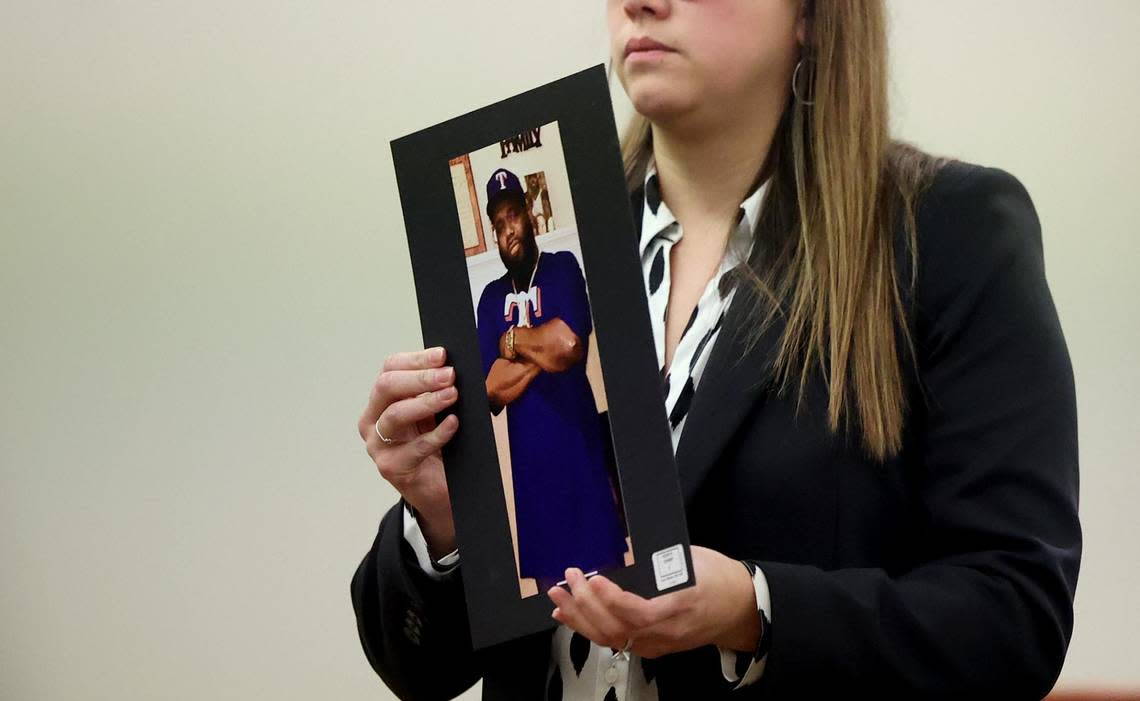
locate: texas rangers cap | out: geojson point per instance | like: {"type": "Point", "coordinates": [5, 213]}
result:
{"type": "Point", "coordinates": [502, 183]}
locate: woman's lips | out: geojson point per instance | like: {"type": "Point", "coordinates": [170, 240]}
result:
{"type": "Point", "coordinates": [644, 47]}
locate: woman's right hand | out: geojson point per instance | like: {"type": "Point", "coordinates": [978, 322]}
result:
{"type": "Point", "coordinates": [407, 394]}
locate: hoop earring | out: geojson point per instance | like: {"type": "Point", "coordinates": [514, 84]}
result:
{"type": "Point", "coordinates": [795, 84]}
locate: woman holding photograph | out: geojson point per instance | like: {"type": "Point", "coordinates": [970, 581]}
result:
{"type": "Point", "coordinates": [871, 399]}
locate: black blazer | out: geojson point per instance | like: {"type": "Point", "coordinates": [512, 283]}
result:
{"type": "Point", "coordinates": [948, 571]}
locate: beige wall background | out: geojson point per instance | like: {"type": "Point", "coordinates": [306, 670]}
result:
{"type": "Point", "coordinates": [202, 266]}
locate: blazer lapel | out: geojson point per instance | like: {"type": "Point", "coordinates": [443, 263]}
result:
{"type": "Point", "coordinates": [735, 377]}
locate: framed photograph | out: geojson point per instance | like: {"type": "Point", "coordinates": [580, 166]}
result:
{"type": "Point", "coordinates": [526, 269]}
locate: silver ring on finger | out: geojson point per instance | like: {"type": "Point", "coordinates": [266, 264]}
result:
{"type": "Point", "coordinates": [386, 439]}
{"type": "Point", "coordinates": [624, 651]}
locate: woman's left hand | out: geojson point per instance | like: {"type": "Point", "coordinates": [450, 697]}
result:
{"type": "Point", "coordinates": [720, 609]}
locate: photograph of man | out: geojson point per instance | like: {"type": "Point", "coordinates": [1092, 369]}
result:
{"type": "Point", "coordinates": [533, 325]}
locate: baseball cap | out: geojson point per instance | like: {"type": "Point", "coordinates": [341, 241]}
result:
{"type": "Point", "coordinates": [501, 184]}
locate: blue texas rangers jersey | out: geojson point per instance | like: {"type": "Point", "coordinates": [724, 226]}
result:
{"type": "Point", "coordinates": [564, 506]}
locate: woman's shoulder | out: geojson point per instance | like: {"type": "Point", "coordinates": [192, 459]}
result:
{"type": "Point", "coordinates": [971, 205]}
{"type": "Point", "coordinates": [980, 296]}
{"type": "Point", "coordinates": [973, 223]}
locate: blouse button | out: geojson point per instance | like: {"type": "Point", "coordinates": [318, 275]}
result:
{"type": "Point", "coordinates": [611, 675]}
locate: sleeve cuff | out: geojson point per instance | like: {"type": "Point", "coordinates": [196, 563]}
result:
{"type": "Point", "coordinates": [744, 668]}
{"type": "Point", "coordinates": [437, 569]}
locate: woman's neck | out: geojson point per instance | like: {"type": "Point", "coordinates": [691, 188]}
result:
{"type": "Point", "coordinates": [706, 172]}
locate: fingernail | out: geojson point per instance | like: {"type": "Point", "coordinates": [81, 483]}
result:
{"type": "Point", "coordinates": [436, 353]}
{"type": "Point", "coordinates": [446, 394]}
{"type": "Point", "coordinates": [444, 375]}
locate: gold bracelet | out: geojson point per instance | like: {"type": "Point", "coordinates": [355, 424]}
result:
{"type": "Point", "coordinates": [511, 343]}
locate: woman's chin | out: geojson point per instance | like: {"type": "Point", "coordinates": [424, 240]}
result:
{"type": "Point", "coordinates": [658, 103]}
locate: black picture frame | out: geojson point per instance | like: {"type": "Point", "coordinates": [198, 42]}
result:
{"type": "Point", "coordinates": [654, 510]}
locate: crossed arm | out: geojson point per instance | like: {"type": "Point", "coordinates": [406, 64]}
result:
{"type": "Point", "coordinates": [551, 347]}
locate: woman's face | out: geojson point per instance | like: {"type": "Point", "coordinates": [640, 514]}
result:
{"type": "Point", "coordinates": [680, 58]}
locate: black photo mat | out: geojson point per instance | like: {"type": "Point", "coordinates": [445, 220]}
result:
{"type": "Point", "coordinates": [654, 511]}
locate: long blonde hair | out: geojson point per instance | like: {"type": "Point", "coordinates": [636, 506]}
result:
{"type": "Point", "coordinates": [824, 258]}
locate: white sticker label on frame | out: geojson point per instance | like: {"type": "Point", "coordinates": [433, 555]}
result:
{"type": "Point", "coordinates": [669, 567]}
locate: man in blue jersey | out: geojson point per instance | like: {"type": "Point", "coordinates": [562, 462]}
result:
{"type": "Point", "coordinates": [534, 324]}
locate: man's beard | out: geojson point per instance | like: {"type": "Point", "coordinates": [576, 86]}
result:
{"type": "Point", "coordinates": [525, 263]}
